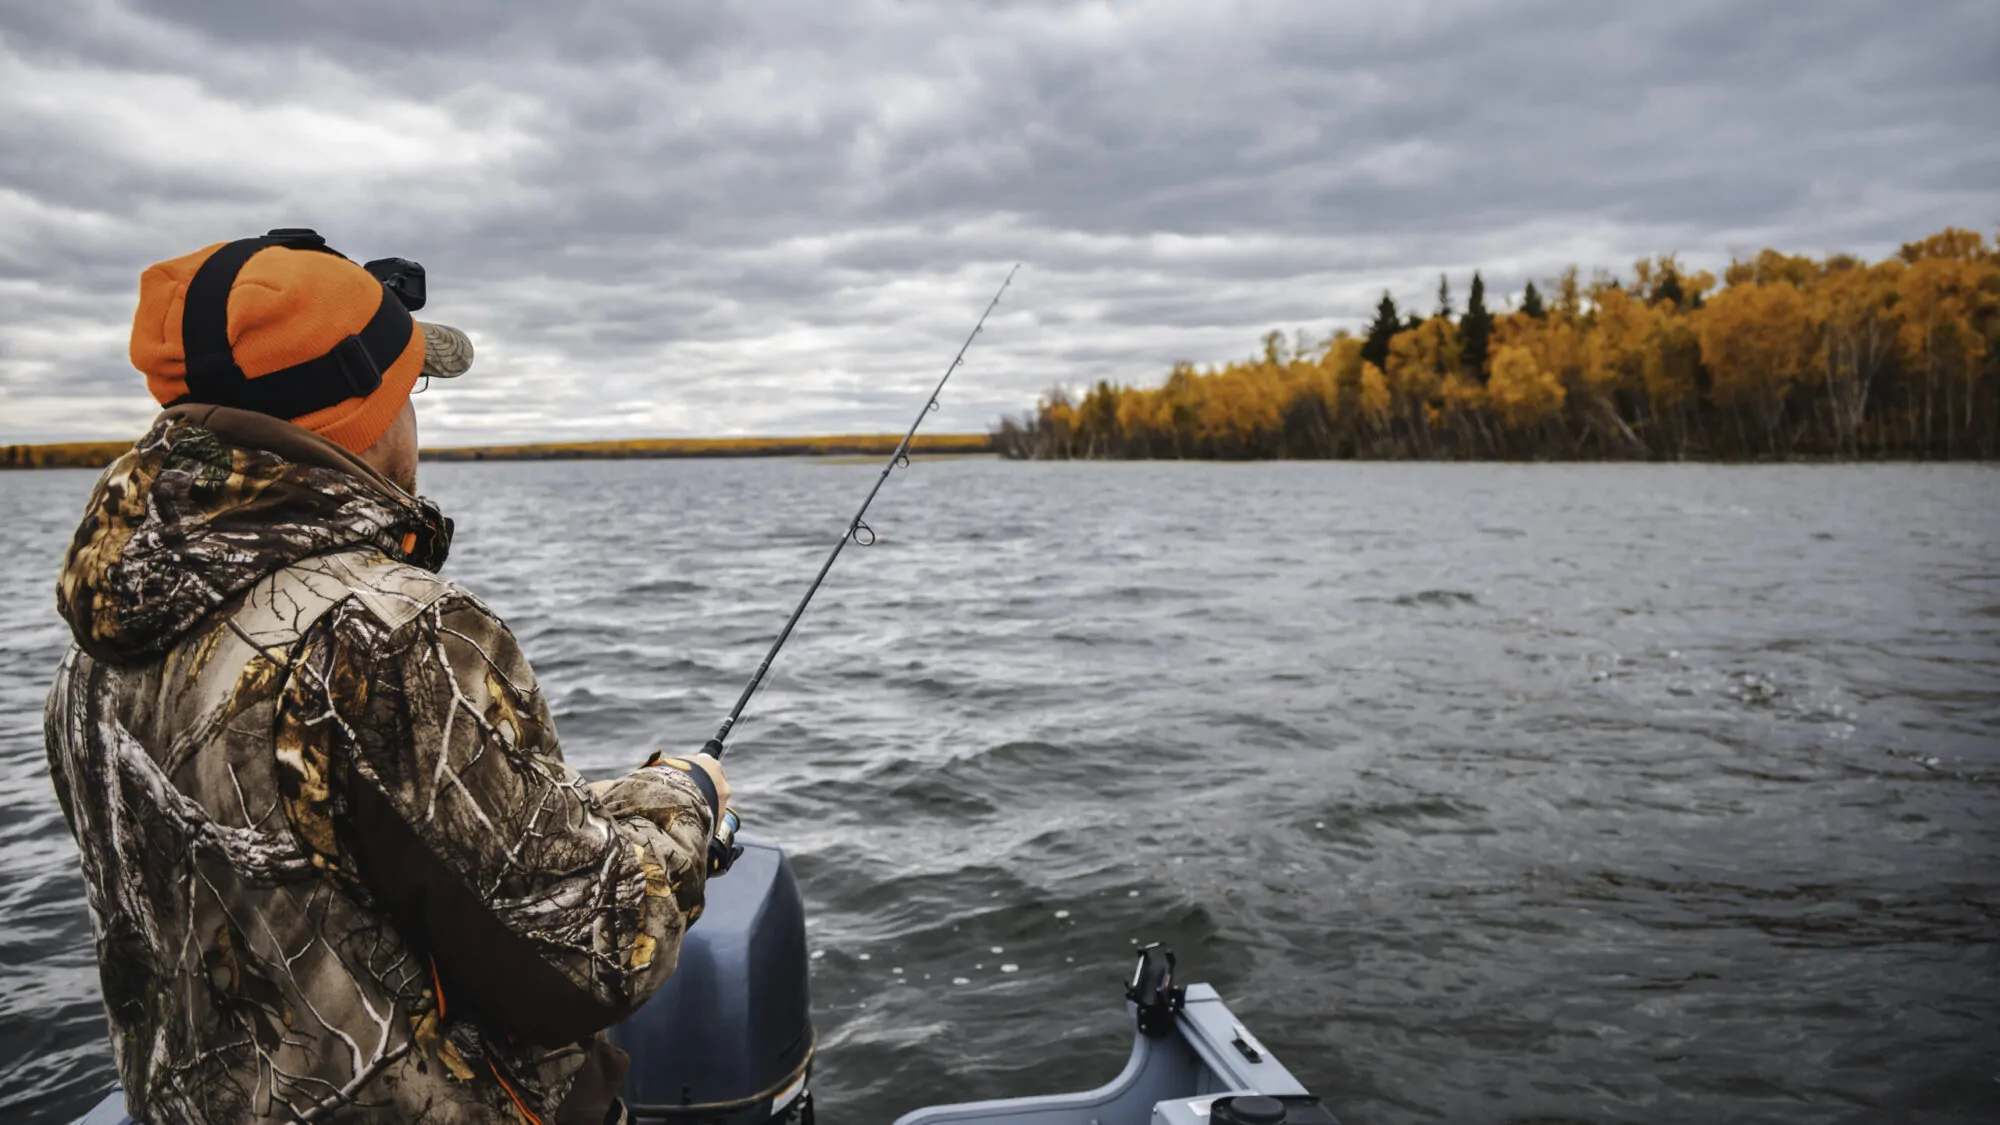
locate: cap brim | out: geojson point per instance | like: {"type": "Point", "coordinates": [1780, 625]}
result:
{"type": "Point", "coordinates": [447, 352]}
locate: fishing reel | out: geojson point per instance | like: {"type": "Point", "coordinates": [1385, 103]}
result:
{"type": "Point", "coordinates": [723, 849]}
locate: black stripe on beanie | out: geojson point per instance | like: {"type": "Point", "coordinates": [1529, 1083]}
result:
{"type": "Point", "coordinates": [352, 369]}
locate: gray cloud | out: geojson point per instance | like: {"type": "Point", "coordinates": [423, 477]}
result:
{"type": "Point", "coordinates": [781, 217]}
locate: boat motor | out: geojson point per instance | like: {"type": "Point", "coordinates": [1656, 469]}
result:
{"type": "Point", "coordinates": [728, 1040]}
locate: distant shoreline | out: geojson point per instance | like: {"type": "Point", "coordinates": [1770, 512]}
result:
{"type": "Point", "coordinates": [62, 455]}
{"type": "Point", "coordinates": [832, 445]}
{"type": "Point", "coordinates": [97, 454]}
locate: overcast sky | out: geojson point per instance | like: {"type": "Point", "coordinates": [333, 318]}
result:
{"type": "Point", "coordinates": [782, 216]}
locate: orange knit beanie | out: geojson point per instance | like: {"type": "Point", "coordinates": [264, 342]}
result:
{"type": "Point", "coordinates": [288, 307]}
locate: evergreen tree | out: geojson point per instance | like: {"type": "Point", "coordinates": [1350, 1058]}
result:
{"type": "Point", "coordinates": [1476, 329]}
{"type": "Point", "coordinates": [1381, 330]}
{"type": "Point", "coordinates": [1531, 302]}
{"type": "Point", "coordinates": [1444, 297]}
{"type": "Point", "coordinates": [1669, 288]}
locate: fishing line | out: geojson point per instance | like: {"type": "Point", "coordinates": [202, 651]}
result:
{"type": "Point", "coordinates": [722, 847]}
{"type": "Point", "coordinates": [857, 530]}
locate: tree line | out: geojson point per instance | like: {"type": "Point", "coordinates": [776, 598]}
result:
{"type": "Point", "coordinates": [62, 455]}
{"type": "Point", "coordinates": [1789, 357]}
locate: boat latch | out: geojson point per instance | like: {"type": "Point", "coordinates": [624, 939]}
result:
{"type": "Point", "coordinates": [1247, 1044]}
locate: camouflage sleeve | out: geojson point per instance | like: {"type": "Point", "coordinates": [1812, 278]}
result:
{"type": "Point", "coordinates": [550, 908]}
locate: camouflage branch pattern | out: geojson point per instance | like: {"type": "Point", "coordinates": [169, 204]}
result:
{"type": "Point", "coordinates": [337, 867]}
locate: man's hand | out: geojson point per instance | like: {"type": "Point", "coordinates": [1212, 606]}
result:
{"type": "Point", "coordinates": [707, 774]}
{"type": "Point", "coordinates": [713, 769]}
{"type": "Point", "coordinates": [703, 769]}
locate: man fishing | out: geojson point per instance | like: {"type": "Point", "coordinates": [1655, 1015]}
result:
{"type": "Point", "coordinates": [338, 869]}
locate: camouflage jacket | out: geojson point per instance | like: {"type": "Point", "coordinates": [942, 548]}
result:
{"type": "Point", "coordinates": [337, 868]}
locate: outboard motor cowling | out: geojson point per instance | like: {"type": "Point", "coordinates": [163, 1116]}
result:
{"type": "Point", "coordinates": [728, 1040]}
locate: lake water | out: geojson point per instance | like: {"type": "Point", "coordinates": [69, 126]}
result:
{"type": "Point", "coordinates": [1483, 793]}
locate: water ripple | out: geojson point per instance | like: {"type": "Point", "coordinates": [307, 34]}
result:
{"type": "Point", "coordinates": [1485, 793]}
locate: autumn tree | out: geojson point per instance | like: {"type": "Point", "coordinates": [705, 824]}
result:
{"type": "Point", "coordinates": [1949, 310]}
{"type": "Point", "coordinates": [1524, 394]}
{"type": "Point", "coordinates": [1856, 308]}
{"type": "Point", "coordinates": [1614, 362]}
{"type": "Point", "coordinates": [1759, 340]}
{"type": "Point", "coordinates": [1375, 398]}
{"type": "Point", "coordinates": [1672, 376]}
{"type": "Point", "coordinates": [1952, 244]}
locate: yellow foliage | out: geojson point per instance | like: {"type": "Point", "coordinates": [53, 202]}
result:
{"type": "Point", "coordinates": [1758, 340]}
{"type": "Point", "coordinates": [1421, 359]}
{"type": "Point", "coordinates": [1663, 278]}
{"type": "Point", "coordinates": [1557, 344]}
{"type": "Point", "coordinates": [1770, 267]}
{"type": "Point", "coordinates": [1942, 299]}
{"type": "Point", "coordinates": [1793, 356]}
{"type": "Point", "coordinates": [1461, 394]}
{"type": "Point", "coordinates": [1343, 358]}
{"type": "Point", "coordinates": [1952, 244]}
{"type": "Point", "coordinates": [1522, 390]}
{"type": "Point", "coordinates": [1673, 360]}
{"type": "Point", "coordinates": [1374, 391]}
{"type": "Point", "coordinates": [1950, 313]}
{"type": "Point", "coordinates": [1615, 354]}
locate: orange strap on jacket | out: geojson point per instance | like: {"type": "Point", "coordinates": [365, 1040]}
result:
{"type": "Point", "coordinates": [527, 1114]}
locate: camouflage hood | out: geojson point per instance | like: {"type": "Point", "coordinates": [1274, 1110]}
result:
{"type": "Point", "coordinates": [204, 506]}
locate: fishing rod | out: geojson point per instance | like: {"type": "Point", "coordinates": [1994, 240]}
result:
{"type": "Point", "coordinates": [722, 849]}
